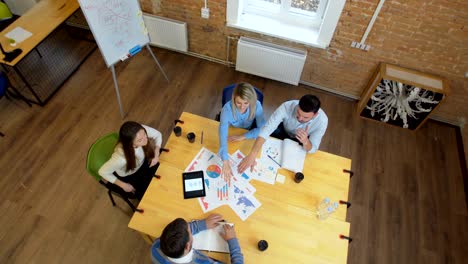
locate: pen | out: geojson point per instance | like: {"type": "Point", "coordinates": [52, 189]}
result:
{"type": "Point", "coordinates": [201, 140]}
{"type": "Point", "coordinates": [274, 160]}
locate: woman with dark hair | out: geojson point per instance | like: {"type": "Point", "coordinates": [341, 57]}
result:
{"type": "Point", "coordinates": [134, 160]}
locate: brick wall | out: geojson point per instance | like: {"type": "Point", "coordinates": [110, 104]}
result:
{"type": "Point", "coordinates": [429, 36]}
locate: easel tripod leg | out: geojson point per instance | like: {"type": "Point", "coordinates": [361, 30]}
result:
{"type": "Point", "coordinates": [116, 86]}
{"type": "Point", "coordinates": [157, 62]}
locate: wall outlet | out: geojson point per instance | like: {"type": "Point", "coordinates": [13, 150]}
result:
{"type": "Point", "coordinates": [361, 46]}
{"type": "Point", "coordinates": [205, 12]}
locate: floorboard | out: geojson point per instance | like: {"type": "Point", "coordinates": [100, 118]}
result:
{"type": "Point", "coordinates": [407, 194]}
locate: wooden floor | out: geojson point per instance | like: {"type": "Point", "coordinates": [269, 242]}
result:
{"type": "Point", "coordinates": [407, 195]}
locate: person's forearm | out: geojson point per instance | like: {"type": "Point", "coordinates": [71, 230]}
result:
{"type": "Point", "coordinates": [119, 183]}
{"type": "Point", "coordinates": [235, 251]}
{"type": "Point", "coordinates": [257, 146]}
{"type": "Point", "coordinates": [252, 133]}
{"type": "Point", "coordinates": [223, 137]}
{"type": "Point", "coordinates": [307, 146]}
{"type": "Point", "coordinates": [156, 150]}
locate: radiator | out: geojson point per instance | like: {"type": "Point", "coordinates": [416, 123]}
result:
{"type": "Point", "coordinates": [269, 60]}
{"type": "Point", "coordinates": [167, 33]}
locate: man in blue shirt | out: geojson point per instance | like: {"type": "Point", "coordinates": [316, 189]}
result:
{"type": "Point", "coordinates": [300, 120]}
{"type": "Point", "coordinates": [175, 243]}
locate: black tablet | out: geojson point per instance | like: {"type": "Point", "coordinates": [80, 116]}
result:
{"type": "Point", "coordinates": [193, 184]}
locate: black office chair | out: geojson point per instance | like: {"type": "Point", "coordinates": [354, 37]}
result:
{"type": "Point", "coordinates": [227, 95]}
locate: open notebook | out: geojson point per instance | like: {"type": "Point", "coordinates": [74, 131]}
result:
{"type": "Point", "coordinates": [288, 153]}
{"type": "Point", "coordinates": [211, 240]}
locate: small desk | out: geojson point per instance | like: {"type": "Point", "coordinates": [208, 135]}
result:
{"type": "Point", "coordinates": [41, 20]}
{"type": "Point", "coordinates": [286, 218]}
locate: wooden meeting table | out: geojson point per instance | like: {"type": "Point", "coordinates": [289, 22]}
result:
{"type": "Point", "coordinates": [286, 219]}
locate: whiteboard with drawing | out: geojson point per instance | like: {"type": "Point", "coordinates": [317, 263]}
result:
{"type": "Point", "coordinates": [117, 26]}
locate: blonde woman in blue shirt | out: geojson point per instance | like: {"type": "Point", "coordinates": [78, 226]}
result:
{"type": "Point", "coordinates": [243, 111]}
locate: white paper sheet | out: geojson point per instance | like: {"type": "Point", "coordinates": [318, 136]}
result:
{"type": "Point", "coordinates": [280, 178]}
{"type": "Point", "coordinates": [273, 148]}
{"type": "Point", "coordinates": [18, 34]}
{"type": "Point", "coordinates": [293, 156]}
{"type": "Point", "coordinates": [286, 153]}
{"type": "Point", "coordinates": [265, 171]}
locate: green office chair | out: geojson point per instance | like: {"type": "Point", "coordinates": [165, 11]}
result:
{"type": "Point", "coordinates": [98, 154]}
{"type": "Point", "coordinates": [5, 12]}
{"type": "Point", "coordinates": [6, 17]}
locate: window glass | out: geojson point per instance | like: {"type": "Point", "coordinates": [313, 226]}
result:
{"type": "Point", "coordinates": [312, 22]}
{"type": "Point", "coordinates": [305, 5]}
{"type": "Point", "coordinates": [272, 1]}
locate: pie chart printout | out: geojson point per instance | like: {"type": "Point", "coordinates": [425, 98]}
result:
{"type": "Point", "coordinates": [213, 171]}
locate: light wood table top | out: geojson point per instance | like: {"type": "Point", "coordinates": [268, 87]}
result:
{"type": "Point", "coordinates": [320, 169]}
{"type": "Point", "coordinates": [286, 218]}
{"type": "Point", "coordinates": [40, 20]}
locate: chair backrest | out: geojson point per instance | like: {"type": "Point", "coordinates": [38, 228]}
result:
{"type": "Point", "coordinates": [227, 94]}
{"type": "Point", "coordinates": [5, 12]}
{"type": "Point", "coordinates": [100, 152]}
{"type": "Point", "coordinates": [3, 84]}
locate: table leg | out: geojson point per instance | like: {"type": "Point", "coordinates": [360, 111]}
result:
{"type": "Point", "coordinates": [39, 101]}
{"type": "Point", "coordinates": [147, 238]}
{"type": "Point", "coordinates": [38, 53]}
{"type": "Point", "coordinates": [18, 94]}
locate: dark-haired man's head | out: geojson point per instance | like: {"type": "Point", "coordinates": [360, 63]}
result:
{"type": "Point", "coordinates": [308, 108]}
{"type": "Point", "coordinates": [176, 239]}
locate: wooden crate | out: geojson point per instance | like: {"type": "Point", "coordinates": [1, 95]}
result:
{"type": "Point", "coordinates": [394, 90]}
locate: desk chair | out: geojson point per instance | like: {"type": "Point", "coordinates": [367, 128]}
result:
{"type": "Point", "coordinates": [5, 12]}
{"type": "Point", "coordinates": [4, 91]}
{"type": "Point", "coordinates": [98, 154]}
{"type": "Point", "coordinates": [6, 17]}
{"type": "Point", "coordinates": [227, 94]}
{"type": "Point", "coordinates": [4, 85]}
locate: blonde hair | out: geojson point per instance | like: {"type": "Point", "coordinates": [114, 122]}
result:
{"type": "Point", "coordinates": [246, 92]}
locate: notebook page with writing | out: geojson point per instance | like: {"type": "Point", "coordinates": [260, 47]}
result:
{"type": "Point", "coordinates": [211, 240]}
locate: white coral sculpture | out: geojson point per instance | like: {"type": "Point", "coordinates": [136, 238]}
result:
{"type": "Point", "coordinates": [392, 99]}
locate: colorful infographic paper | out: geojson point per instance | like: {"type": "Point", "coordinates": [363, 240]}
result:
{"type": "Point", "coordinates": [238, 194]}
{"type": "Point", "coordinates": [272, 148]}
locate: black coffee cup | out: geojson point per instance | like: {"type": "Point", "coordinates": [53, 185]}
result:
{"type": "Point", "coordinates": [262, 245]}
{"type": "Point", "coordinates": [298, 177]}
{"type": "Point", "coordinates": [191, 137]}
{"type": "Point", "coordinates": [177, 131]}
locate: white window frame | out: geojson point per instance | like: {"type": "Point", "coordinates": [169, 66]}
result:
{"type": "Point", "coordinates": [285, 13]}
{"type": "Point", "coordinates": [318, 34]}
